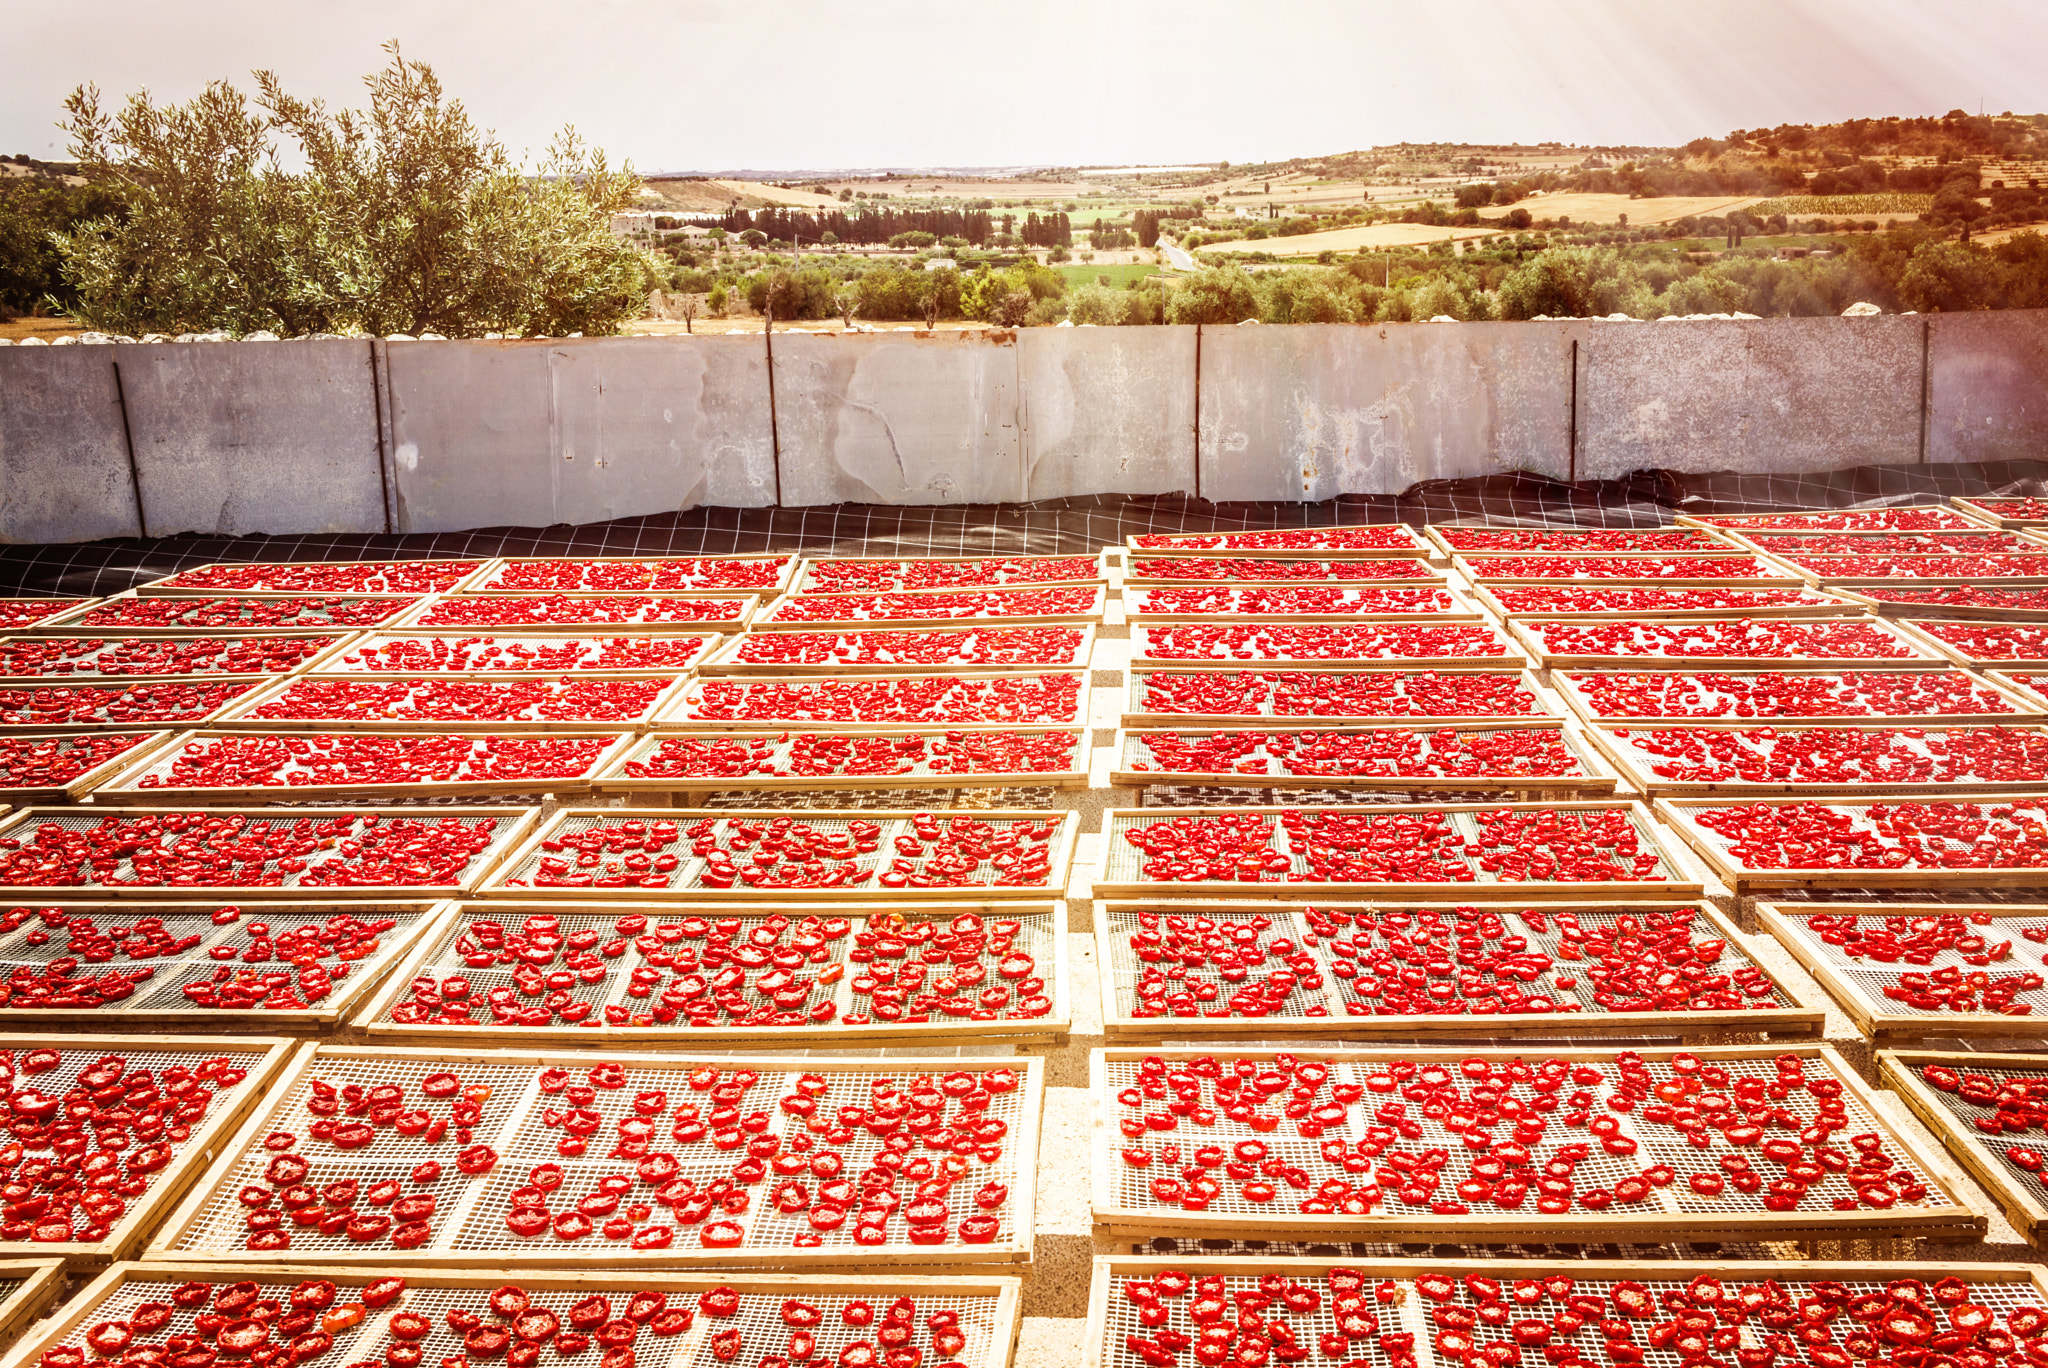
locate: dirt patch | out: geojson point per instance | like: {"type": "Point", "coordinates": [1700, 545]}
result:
{"type": "Point", "coordinates": [1589, 208]}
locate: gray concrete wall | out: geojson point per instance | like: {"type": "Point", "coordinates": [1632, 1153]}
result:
{"type": "Point", "coordinates": [64, 473]}
{"type": "Point", "coordinates": [1987, 386]}
{"type": "Point", "coordinates": [1773, 395]}
{"type": "Point", "coordinates": [245, 439]}
{"type": "Point", "coordinates": [285, 437]}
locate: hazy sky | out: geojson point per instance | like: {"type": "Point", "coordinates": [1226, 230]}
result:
{"type": "Point", "coordinates": [723, 84]}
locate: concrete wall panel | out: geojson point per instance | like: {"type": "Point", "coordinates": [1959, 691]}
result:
{"type": "Point", "coordinates": [530, 434]}
{"type": "Point", "coordinates": [64, 472]}
{"type": "Point", "coordinates": [1309, 412]}
{"type": "Point", "coordinates": [894, 418]}
{"type": "Point", "coordinates": [1768, 396]}
{"type": "Point", "coordinates": [274, 437]}
{"type": "Point", "coordinates": [1988, 383]}
{"type": "Point", "coordinates": [1108, 410]}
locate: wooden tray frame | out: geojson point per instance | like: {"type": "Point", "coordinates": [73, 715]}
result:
{"type": "Point", "coordinates": [1814, 603]}
{"type": "Point", "coordinates": [480, 583]}
{"type": "Point", "coordinates": [235, 717]}
{"type": "Point", "coordinates": [1631, 765]}
{"type": "Point", "coordinates": [1657, 1226]}
{"type": "Point", "coordinates": [801, 578]}
{"type": "Point", "coordinates": [723, 661]}
{"type": "Point", "coordinates": [1464, 564]}
{"type": "Point", "coordinates": [1598, 777]}
{"type": "Point", "coordinates": [1748, 538]}
{"type": "Point", "coordinates": [612, 779]}
{"type": "Point", "coordinates": [763, 619]}
{"type": "Point", "coordinates": [173, 1180]}
{"type": "Point", "coordinates": [337, 642]}
{"type": "Point", "coordinates": [1798, 1021]}
{"type": "Point", "coordinates": [106, 772]}
{"type": "Point", "coordinates": [2026, 711]}
{"type": "Point", "coordinates": [1911, 629]}
{"type": "Point", "coordinates": [1516, 656]}
{"type": "Point", "coordinates": [1527, 682]}
{"type": "Point", "coordinates": [711, 642]}
{"type": "Point", "coordinates": [1869, 1011]}
{"type": "Point", "coordinates": [1733, 522]}
{"type": "Point", "coordinates": [409, 621]}
{"type": "Point", "coordinates": [1522, 632]}
{"type": "Point", "coordinates": [83, 1308]}
{"type": "Point", "coordinates": [1421, 547]}
{"type": "Point", "coordinates": [67, 624]}
{"type": "Point", "coordinates": [39, 1280]}
{"type": "Point", "coordinates": [1824, 580]}
{"type": "Point", "coordinates": [75, 604]}
{"type": "Point", "coordinates": [1097, 1352]}
{"type": "Point", "coordinates": [1432, 577]}
{"type": "Point", "coordinates": [119, 790]}
{"type": "Point", "coordinates": [835, 1034]}
{"type": "Point", "coordinates": [513, 826]}
{"type": "Point", "coordinates": [164, 586]}
{"type": "Point", "coordinates": [1975, 508]}
{"type": "Point", "coordinates": [2009, 681]}
{"type": "Point", "coordinates": [1716, 541]}
{"type": "Point", "coordinates": [1899, 1071]}
{"type": "Point", "coordinates": [666, 721]}
{"type": "Point", "coordinates": [1677, 814]}
{"type": "Point", "coordinates": [323, 1016]}
{"type": "Point", "coordinates": [1022, 1140]}
{"type": "Point", "coordinates": [1063, 843]}
{"type": "Point", "coordinates": [1672, 890]}
{"type": "Point", "coordinates": [1937, 612]}
{"type": "Point", "coordinates": [1461, 609]}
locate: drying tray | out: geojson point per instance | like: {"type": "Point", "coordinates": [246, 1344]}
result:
{"type": "Point", "coordinates": [169, 583]}
{"type": "Point", "coordinates": [2025, 710]}
{"type": "Point", "coordinates": [1985, 510]}
{"type": "Point", "coordinates": [124, 788]}
{"type": "Point", "coordinates": [1912, 630]}
{"type": "Point", "coordinates": [71, 623]}
{"type": "Point", "coordinates": [1458, 608]}
{"type": "Point", "coordinates": [1866, 597]}
{"type": "Point", "coordinates": [334, 642]}
{"type": "Point", "coordinates": [1524, 632]}
{"type": "Point", "coordinates": [742, 605]}
{"type": "Point", "coordinates": [1713, 848]}
{"type": "Point", "coordinates": [1120, 872]}
{"type": "Point", "coordinates": [470, 1230]}
{"type": "Point", "coordinates": [674, 715]}
{"type": "Point", "coordinates": [1815, 519]}
{"type": "Point", "coordinates": [1428, 576]}
{"type": "Point", "coordinates": [1112, 1316]}
{"type": "Point", "coordinates": [807, 572]}
{"type": "Point", "coordinates": [240, 716]}
{"type": "Point", "coordinates": [1118, 968]}
{"type": "Point", "coordinates": [1634, 765]}
{"type": "Point", "coordinates": [612, 777]}
{"type": "Point", "coordinates": [1042, 935]}
{"type": "Point", "coordinates": [725, 660]}
{"type": "Point", "coordinates": [1858, 985]}
{"type": "Point", "coordinates": [1710, 540]}
{"type": "Point", "coordinates": [513, 823]}
{"type": "Point", "coordinates": [1136, 715]}
{"type": "Point", "coordinates": [1812, 603]}
{"type": "Point", "coordinates": [1594, 776]}
{"type": "Point", "coordinates": [261, 1056]}
{"type": "Point", "coordinates": [1928, 569]}
{"type": "Point", "coordinates": [1770, 572]}
{"type": "Point", "coordinates": [1511, 656]}
{"type": "Point", "coordinates": [568, 821]}
{"type": "Point", "coordinates": [1418, 545]}
{"type": "Point", "coordinates": [1122, 1203]}
{"type": "Point", "coordinates": [2022, 1196]}
{"type": "Point", "coordinates": [587, 642]}
{"type": "Point", "coordinates": [147, 746]}
{"type": "Point", "coordinates": [765, 620]}
{"type": "Point", "coordinates": [987, 1306]}
{"type": "Point", "coordinates": [27, 1286]}
{"type": "Point", "coordinates": [10, 607]}
{"type": "Point", "coordinates": [487, 580]}
{"type": "Point", "coordinates": [160, 1002]}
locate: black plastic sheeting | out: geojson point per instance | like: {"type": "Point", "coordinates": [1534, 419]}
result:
{"type": "Point", "coordinates": [1647, 498]}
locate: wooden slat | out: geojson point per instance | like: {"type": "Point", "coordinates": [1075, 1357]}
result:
{"type": "Point", "coordinates": [41, 1281]}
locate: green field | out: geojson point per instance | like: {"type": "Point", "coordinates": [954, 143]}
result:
{"type": "Point", "coordinates": [1119, 276]}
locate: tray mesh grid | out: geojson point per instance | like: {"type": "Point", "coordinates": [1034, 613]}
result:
{"type": "Point", "coordinates": [1992, 1147]}
{"type": "Point", "coordinates": [470, 1217]}
{"type": "Point", "coordinates": [2036, 812]}
{"type": "Point", "coordinates": [596, 653]}
{"type": "Point", "coordinates": [1411, 1315]}
{"type": "Point", "coordinates": [1128, 968]}
{"type": "Point", "coordinates": [759, 1320]}
{"type": "Point", "coordinates": [1657, 1144]}
{"type": "Point", "coordinates": [1874, 977]}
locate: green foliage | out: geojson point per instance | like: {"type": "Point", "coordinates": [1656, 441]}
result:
{"type": "Point", "coordinates": [1097, 304]}
{"type": "Point", "coordinates": [1947, 277]}
{"type": "Point", "coordinates": [1218, 294]}
{"type": "Point", "coordinates": [1901, 206]}
{"type": "Point", "coordinates": [404, 218]}
{"type": "Point", "coordinates": [31, 211]}
{"type": "Point", "coordinates": [1572, 282]}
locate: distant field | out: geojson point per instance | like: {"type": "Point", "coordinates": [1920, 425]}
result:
{"type": "Point", "coordinates": [1588, 208]}
{"type": "Point", "coordinates": [1829, 206]}
{"type": "Point", "coordinates": [1350, 239]}
{"type": "Point", "coordinates": [1119, 276]}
